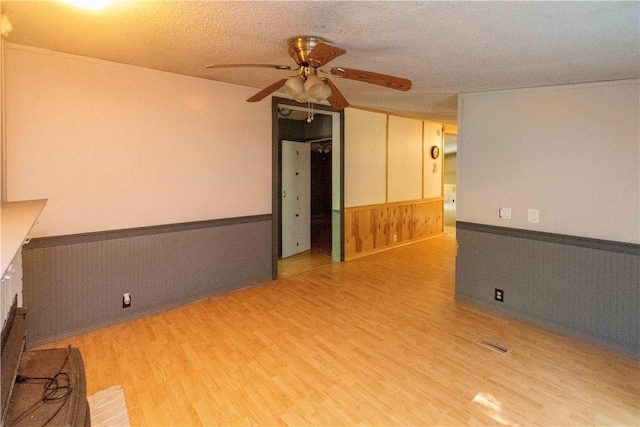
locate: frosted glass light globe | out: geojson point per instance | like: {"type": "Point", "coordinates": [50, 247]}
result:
{"type": "Point", "coordinates": [302, 97]}
{"type": "Point", "coordinates": [294, 86]}
{"type": "Point", "coordinates": [326, 92]}
{"type": "Point", "coordinates": [314, 86]}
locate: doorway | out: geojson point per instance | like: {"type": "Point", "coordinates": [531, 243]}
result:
{"type": "Point", "coordinates": [307, 187]}
{"type": "Point", "coordinates": [450, 179]}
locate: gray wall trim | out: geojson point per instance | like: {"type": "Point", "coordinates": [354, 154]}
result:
{"type": "Point", "coordinates": [76, 287]}
{"type": "Point", "coordinates": [554, 327]}
{"type": "Point", "coordinates": [93, 326]}
{"type": "Point", "coordinates": [72, 239]}
{"type": "Point", "coordinates": [587, 292]}
{"type": "Point", "coordinates": [562, 239]}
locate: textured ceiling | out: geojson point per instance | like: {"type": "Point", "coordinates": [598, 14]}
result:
{"type": "Point", "coordinates": [445, 48]}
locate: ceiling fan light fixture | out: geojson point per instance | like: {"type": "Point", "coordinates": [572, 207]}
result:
{"type": "Point", "coordinates": [307, 88]}
{"type": "Point", "coordinates": [312, 53]}
{"type": "Point", "coordinates": [320, 97]}
{"type": "Point", "coordinates": [325, 93]}
{"type": "Point", "coordinates": [302, 97]}
{"type": "Point", "coordinates": [294, 86]}
{"type": "Point", "coordinates": [313, 85]}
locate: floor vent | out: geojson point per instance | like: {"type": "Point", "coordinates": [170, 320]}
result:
{"type": "Point", "coordinates": [495, 347]}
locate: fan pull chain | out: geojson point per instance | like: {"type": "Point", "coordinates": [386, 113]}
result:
{"type": "Point", "coordinates": [309, 112]}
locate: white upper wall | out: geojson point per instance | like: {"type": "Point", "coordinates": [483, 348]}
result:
{"type": "Point", "coordinates": [365, 157]}
{"type": "Point", "coordinates": [114, 146]}
{"type": "Point", "coordinates": [404, 167]}
{"type": "Point", "coordinates": [388, 158]}
{"type": "Point", "coordinates": [572, 152]}
{"type": "Point", "coordinates": [432, 168]}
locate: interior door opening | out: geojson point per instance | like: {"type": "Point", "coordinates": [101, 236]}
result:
{"type": "Point", "coordinates": [308, 190]}
{"type": "Point", "coordinates": [450, 178]}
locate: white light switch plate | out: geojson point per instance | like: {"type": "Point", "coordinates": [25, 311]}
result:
{"type": "Point", "coordinates": [534, 216]}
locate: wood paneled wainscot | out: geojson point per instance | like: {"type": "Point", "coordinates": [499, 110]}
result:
{"type": "Point", "coordinates": [373, 228]}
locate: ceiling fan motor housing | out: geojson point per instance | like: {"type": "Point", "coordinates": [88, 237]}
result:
{"type": "Point", "coordinates": [300, 47]}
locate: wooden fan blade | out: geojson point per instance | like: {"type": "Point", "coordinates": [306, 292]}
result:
{"type": "Point", "coordinates": [277, 67]}
{"type": "Point", "coordinates": [374, 78]}
{"type": "Point", "coordinates": [267, 91]}
{"type": "Point", "coordinates": [323, 53]}
{"type": "Point", "coordinates": [337, 101]}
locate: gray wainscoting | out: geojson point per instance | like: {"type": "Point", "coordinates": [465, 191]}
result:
{"type": "Point", "coordinates": [74, 284]}
{"type": "Point", "coordinates": [582, 287]}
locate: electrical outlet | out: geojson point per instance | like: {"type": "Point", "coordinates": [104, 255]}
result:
{"type": "Point", "coordinates": [395, 237]}
{"type": "Point", "coordinates": [533, 216]}
{"type": "Point", "coordinates": [499, 295]}
{"type": "Point", "coordinates": [126, 300]}
{"type": "Point", "coordinates": [504, 213]}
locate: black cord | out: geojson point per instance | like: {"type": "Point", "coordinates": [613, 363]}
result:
{"type": "Point", "coordinates": [56, 388]}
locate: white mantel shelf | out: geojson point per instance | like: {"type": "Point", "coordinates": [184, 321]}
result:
{"type": "Point", "coordinates": [16, 221]}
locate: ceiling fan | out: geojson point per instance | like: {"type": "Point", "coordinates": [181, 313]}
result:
{"type": "Point", "coordinates": [311, 53]}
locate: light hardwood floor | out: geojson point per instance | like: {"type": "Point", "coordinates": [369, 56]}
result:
{"type": "Point", "coordinates": [303, 262]}
{"type": "Point", "coordinates": [375, 341]}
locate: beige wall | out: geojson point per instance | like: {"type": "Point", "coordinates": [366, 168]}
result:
{"type": "Point", "coordinates": [114, 146]}
{"type": "Point", "coordinates": [404, 159]}
{"type": "Point", "coordinates": [388, 158]}
{"type": "Point", "coordinates": [365, 157]}
{"type": "Point", "coordinates": [572, 152]}
{"type": "Point", "coordinates": [433, 168]}
{"type": "Point", "coordinates": [9, 287]}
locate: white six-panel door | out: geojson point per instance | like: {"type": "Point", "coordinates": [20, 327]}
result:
{"type": "Point", "coordinates": [296, 198]}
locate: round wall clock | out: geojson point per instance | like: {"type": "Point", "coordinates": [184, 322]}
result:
{"type": "Point", "coordinates": [435, 152]}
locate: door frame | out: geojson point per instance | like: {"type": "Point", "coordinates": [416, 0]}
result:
{"type": "Point", "coordinates": [276, 179]}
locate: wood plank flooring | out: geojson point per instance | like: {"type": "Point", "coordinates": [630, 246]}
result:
{"type": "Point", "coordinates": [375, 341]}
{"type": "Point", "coordinates": [318, 256]}
{"type": "Point", "coordinates": [303, 262]}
